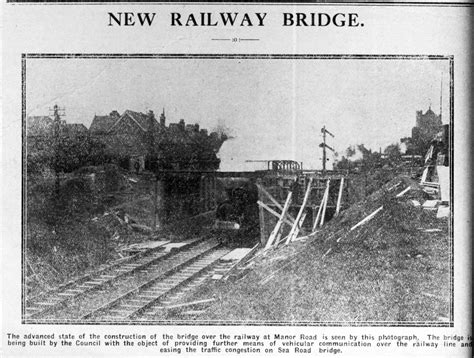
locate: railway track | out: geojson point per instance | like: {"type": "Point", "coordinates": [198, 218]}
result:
{"type": "Point", "coordinates": [146, 286]}
{"type": "Point", "coordinates": [147, 300]}
{"type": "Point", "coordinates": [176, 305]}
{"type": "Point", "coordinates": [69, 300]}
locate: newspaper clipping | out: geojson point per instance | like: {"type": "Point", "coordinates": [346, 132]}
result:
{"type": "Point", "coordinates": [258, 179]}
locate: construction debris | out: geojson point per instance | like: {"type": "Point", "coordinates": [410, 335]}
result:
{"type": "Point", "coordinates": [276, 231]}
{"type": "Point", "coordinates": [403, 192]}
{"type": "Point", "coordinates": [193, 303]}
{"type": "Point", "coordinates": [143, 246]}
{"type": "Point", "coordinates": [430, 204]}
{"type": "Point", "coordinates": [443, 212]}
{"type": "Point", "coordinates": [236, 254]}
{"type": "Point", "coordinates": [369, 217]}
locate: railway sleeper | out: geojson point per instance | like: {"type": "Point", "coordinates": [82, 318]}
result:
{"type": "Point", "coordinates": [95, 282]}
{"type": "Point", "coordinates": [155, 253]}
{"type": "Point", "coordinates": [189, 256]}
{"type": "Point", "coordinates": [171, 296]}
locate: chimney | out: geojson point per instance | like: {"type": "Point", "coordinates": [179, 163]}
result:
{"type": "Point", "coordinates": [181, 124]}
{"type": "Point", "coordinates": [114, 114]}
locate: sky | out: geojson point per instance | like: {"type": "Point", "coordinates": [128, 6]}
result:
{"type": "Point", "coordinates": [275, 108]}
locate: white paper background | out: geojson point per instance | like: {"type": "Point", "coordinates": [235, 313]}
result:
{"type": "Point", "coordinates": [437, 30]}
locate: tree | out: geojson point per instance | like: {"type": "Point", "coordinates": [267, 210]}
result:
{"type": "Point", "coordinates": [393, 153]}
{"type": "Point", "coordinates": [350, 151]}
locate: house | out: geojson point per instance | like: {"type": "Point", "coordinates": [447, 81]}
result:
{"type": "Point", "coordinates": [130, 137]}
{"type": "Point", "coordinates": [102, 124]}
{"type": "Point", "coordinates": [76, 130]}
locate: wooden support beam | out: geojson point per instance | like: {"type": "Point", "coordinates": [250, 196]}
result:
{"type": "Point", "coordinates": [323, 213]}
{"type": "Point", "coordinates": [287, 220]}
{"type": "Point", "coordinates": [298, 223]}
{"type": "Point", "coordinates": [273, 212]}
{"type": "Point", "coordinates": [326, 192]}
{"type": "Point", "coordinates": [339, 197]}
{"type": "Point", "coordinates": [273, 200]}
{"type": "Point", "coordinates": [277, 227]}
{"type": "Point", "coordinates": [279, 239]}
{"type": "Point", "coordinates": [261, 215]}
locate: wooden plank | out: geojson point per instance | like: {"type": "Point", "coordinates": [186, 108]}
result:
{"type": "Point", "coordinates": [400, 194]}
{"type": "Point", "coordinates": [326, 253]}
{"type": "Point", "coordinates": [274, 201]}
{"type": "Point", "coordinates": [261, 215]}
{"type": "Point", "coordinates": [297, 225]}
{"type": "Point", "coordinates": [286, 237]}
{"type": "Point", "coordinates": [198, 302]}
{"type": "Point", "coordinates": [339, 197]}
{"type": "Point", "coordinates": [193, 312]}
{"type": "Point", "coordinates": [298, 206]}
{"type": "Point", "coordinates": [277, 227]}
{"type": "Point", "coordinates": [425, 175]}
{"type": "Point", "coordinates": [367, 218]}
{"type": "Point", "coordinates": [273, 212]}
{"type": "Point", "coordinates": [393, 186]}
{"type": "Point", "coordinates": [326, 192]}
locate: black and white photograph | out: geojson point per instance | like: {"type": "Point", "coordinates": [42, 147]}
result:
{"type": "Point", "coordinates": [244, 189]}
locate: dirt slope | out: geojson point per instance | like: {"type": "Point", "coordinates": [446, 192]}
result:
{"type": "Point", "coordinates": [389, 269]}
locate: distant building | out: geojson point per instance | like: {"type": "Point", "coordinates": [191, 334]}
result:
{"type": "Point", "coordinates": [76, 129]}
{"type": "Point", "coordinates": [102, 124]}
{"type": "Point", "coordinates": [135, 137]}
{"type": "Point", "coordinates": [134, 140]}
{"type": "Point", "coordinates": [428, 124]}
{"type": "Point", "coordinates": [129, 137]}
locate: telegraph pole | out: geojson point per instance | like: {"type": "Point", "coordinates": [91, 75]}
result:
{"type": "Point", "coordinates": [324, 146]}
{"type": "Point", "coordinates": [57, 113]}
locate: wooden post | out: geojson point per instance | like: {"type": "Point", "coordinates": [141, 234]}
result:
{"type": "Point", "coordinates": [326, 192]}
{"type": "Point", "coordinates": [273, 212]}
{"type": "Point", "coordinates": [296, 226]}
{"type": "Point", "coordinates": [277, 227]}
{"type": "Point", "coordinates": [261, 214]}
{"type": "Point", "coordinates": [323, 213]}
{"type": "Point", "coordinates": [339, 197]}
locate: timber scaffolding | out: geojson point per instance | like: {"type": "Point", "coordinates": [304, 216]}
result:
{"type": "Point", "coordinates": [291, 201]}
{"type": "Point", "coordinates": [299, 204]}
